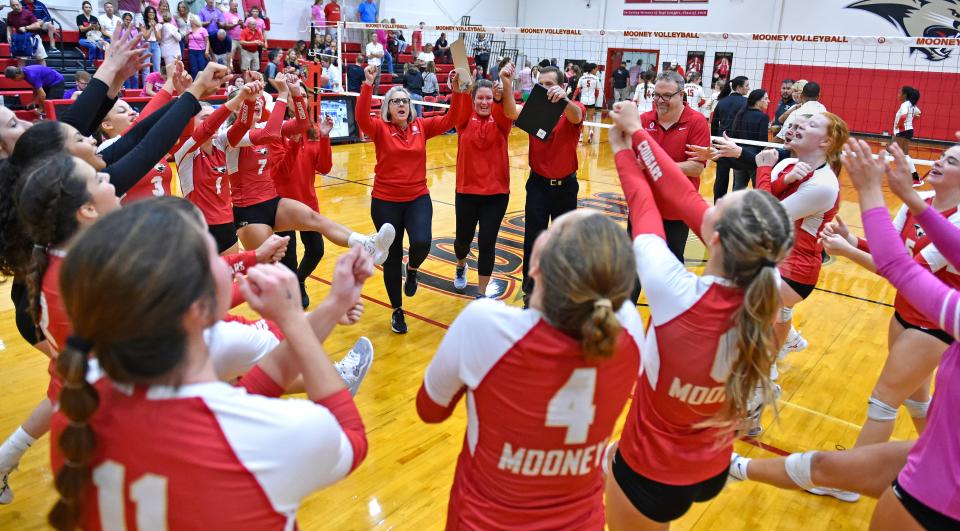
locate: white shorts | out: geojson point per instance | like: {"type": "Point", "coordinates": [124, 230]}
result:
{"type": "Point", "coordinates": [41, 52]}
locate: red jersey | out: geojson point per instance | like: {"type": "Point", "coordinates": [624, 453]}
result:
{"type": "Point", "coordinates": [556, 157]}
{"type": "Point", "coordinates": [811, 202]}
{"type": "Point", "coordinates": [212, 456]}
{"type": "Point", "coordinates": [483, 164]}
{"type": "Point", "coordinates": [300, 162]}
{"type": "Point", "coordinates": [332, 12]}
{"type": "Point", "coordinates": [927, 255]}
{"type": "Point", "coordinates": [401, 170]}
{"type": "Point", "coordinates": [691, 128]}
{"type": "Point", "coordinates": [54, 322]}
{"type": "Point", "coordinates": [690, 341]}
{"type": "Point", "coordinates": [247, 152]}
{"type": "Point", "coordinates": [156, 183]}
{"type": "Point", "coordinates": [203, 176]}
{"type": "Point", "coordinates": [539, 417]}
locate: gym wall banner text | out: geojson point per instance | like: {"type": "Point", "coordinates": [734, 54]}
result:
{"type": "Point", "coordinates": [683, 8]}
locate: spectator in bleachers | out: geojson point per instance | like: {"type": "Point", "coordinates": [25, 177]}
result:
{"type": "Point", "coordinates": [22, 28]}
{"type": "Point", "coordinates": [233, 23]}
{"type": "Point", "coordinates": [431, 86]}
{"type": "Point", "coordinates": [210, 17]}
{"type": "Point", "coordinates": [317, 17]}
{"type": "Point", "coordinates": [47, 83]}
{"type": "Point", "coordinates": [163, 10]}
{"type": "Point", "coordinates": [301, 48]}
{"type": "Point", "coordinates": [85, 21]}
{"type": "Point", "coordinates": [151, 31]}
{"type": "Point", "coordinates": [153, 83]}
{"type": "Point", "coordinates": [257, 16]}
{"type": "Point", "coordinates": [399, 41]}
{"type": "Point", "coordinates": [355, 74]}
{"type": "Point", "coordinates": [47, 24]}
{"type": "Point", "coordinates": [170, 49]}
{"type": "Point", "coordinates": [291, 61]}
{"type": "Point", "coordinates": [108, 21]}
{"type": "Point", "coordinates": [251, 39]}
{"type": "Point", "coordinates": [81, 78]}
{"type": "Point", "coordinates": [441, 49]}
{"type": "Point", "coordinates": [182, 19]}
{"type": "Point", "coordinates": [333, 14]}
{"type": "Point", "coordinates": [387, 57]}
{"type": "Point", "coordinates": [375, 53]}
{"type": "Point", "coordinates": [416, 40]}
{"type": "Point", "coordinates": [198, 44]}
{"type": "Point", "coordinates": [95, 36]}
{"type": "Point", "coordinates": [426, 56]}
{"type": "Point", "coordinates": [273, 66]}
{"type": "Point", "coordinates": [481, 54]}
{"type": "Point", "coordinates": [138, 14]}
{"type": "Point", "coordinates": [366, 12]}
{"type": "Point", "coordinates": [127, 26]}
{"type": "Point", "coordinates": [525, 76]}
{"type": "Point", "coordinates": [332, 71]}
{"type": "Point", "coordinates": [221, 47]}
{"type": "Point", "coordinates": [329, 45]}
{"type": "Point", "coordinates": [413, 82]}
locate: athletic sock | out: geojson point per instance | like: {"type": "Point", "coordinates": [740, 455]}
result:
{"type": "Point", "coordinates": [13, 449]}
{"type": "Point", "coordinates": [355, 239]}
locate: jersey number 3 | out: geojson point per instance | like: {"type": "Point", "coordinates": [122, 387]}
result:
{"type": "Point", "coordinates": [572, 407]}
{"type": "Point", "coordinates": [149, 493]}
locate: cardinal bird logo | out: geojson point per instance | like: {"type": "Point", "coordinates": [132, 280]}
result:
{"type": "Point", "coordinates": [919, 18]}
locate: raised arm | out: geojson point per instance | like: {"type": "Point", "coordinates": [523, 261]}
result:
{"type": "Point", "coordinates": [437, 125]}
{"type": "Point", "coordinates": [301, 118]}
{"type": "Point", "coordinates": [362, 112]}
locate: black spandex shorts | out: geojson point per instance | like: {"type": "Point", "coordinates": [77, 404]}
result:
{"type": "Point", "coordinates": [804, 290]}
{"type": "Point", "coordinates": [925, 516]}
{"type": "Point", "coordinates": [264, 213]}
{"type": "Point", "coordinates": [661, 502]}
{"type": "Point", "coordinates": [908, 134]}
{"type": "Point", "coordinates": [935, 332]}
{"type": "Point", "coordinates": [224, 234]}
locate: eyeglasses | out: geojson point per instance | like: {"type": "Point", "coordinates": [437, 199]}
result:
{"type": "Point", "coordinates": [400, 101]}
{"type": "Point", "coordinates": [666, 97]}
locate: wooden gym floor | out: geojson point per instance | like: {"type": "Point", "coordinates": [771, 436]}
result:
{"type": "Point", "coordinates": [405, 480]}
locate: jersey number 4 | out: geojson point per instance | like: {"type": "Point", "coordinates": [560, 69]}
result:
{"type": "Point", "coordinates": [572, 407]}
{"type": "Point", "coordinates": [149, 493]}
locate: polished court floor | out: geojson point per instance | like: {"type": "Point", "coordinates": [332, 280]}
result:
{"type": "Point", "coordinates": [404, 482]}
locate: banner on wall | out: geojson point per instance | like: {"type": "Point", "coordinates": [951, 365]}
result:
{"type": "Point", "coordinates": [665, 8]}
{"type": "Point", "coordinates": [695, 62]}
{"type": "Point", "coordinates": [722, 65]}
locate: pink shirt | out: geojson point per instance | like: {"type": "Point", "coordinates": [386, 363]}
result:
{"type": "Point", "coordinates": [197, 40]}
{"type": "Point", "coordinates": [233, 18]}
{"type": "Point", "coordinates": [319, 18]}
{"type": "Point", "coordinates": [155, 79]}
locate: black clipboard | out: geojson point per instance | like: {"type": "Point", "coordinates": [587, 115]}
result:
{"type": "Point", "coordinates": [539, 115]}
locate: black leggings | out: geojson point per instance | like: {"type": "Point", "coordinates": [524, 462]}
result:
{"type": "Point", "coordinates": [312, 253]}
{"type": "Point", "coordinates": [488, 211]}
{"type": "Point", "coordinates": [415, 217]}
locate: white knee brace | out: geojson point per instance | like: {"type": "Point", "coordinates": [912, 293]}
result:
{"type": "Point", "coordinates": [917, 410]}
{"type": "Point", "coordinates": [799, 468]}
{"type": "Point", "coordinates": [877, 410]}
{"type": "Point", "coordinates": [785, 315]}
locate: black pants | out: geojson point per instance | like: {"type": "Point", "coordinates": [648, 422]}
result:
{"type": "Point", "coordinates": [743, 177]}
{"type": "Point", "coordinates": [488, 211]}
{"type": "Point", "coordinates": [416, 218]}
{"type": "Point", "coordinates": [54, 92]}
{"type": "Point", "coordinates": [676, 233]}
{"type": "Point", "coordinates": [312, 253]}
{"type": "Point", "coordinates": [544, 203]}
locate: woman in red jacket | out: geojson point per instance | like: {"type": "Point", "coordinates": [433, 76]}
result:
{"type": "Point", "coordinates": [400, 194]}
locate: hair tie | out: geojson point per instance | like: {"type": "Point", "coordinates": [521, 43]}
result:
{"type": "Point", "coordinates": [73, 424]}
{"type": "Point", "coordinates": [73, 464]}
{"type": "Point", "coordinates": [80, 344]}
{"type": "Point", "coordinates": [603, 303]}
{"type": "Point", "coordinates": [766, 262]}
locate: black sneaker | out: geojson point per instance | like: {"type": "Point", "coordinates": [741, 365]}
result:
{"type": "Point", "coordinates": [397, 323]}
{"type": "Point", "coordinates": [410, 286]}
{"type": "Point", "coordinates": [304, 298]}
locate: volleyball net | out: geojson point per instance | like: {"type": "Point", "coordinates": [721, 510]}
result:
{"type": "Point", "coordinates": [860, 76]}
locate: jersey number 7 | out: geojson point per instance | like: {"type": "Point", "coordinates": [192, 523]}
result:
{"type": "Point", "coordinates": [572, 407]}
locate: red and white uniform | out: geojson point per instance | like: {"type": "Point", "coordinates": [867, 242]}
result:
{"type": "Point", "coordinates": [401, 171]}
{"type": "Point", "coordinates": [212, 456]}
{"type": "Point", "coordinates": [906, 114]}
{"type": "Point", "coordinates": [690, 341]}
{"type": "Point", "coordinates": [483, 164]}
{"type": "Point", "coordinates": [811, 203]}
{"type": "Point", "coordinates": [203, 176]}
{"type": "Point", "coordinates": [556, 158]}
{"type": "Point", "coordinates": [247, 151]}
{"type": "Point", "coordinates": [539, 417]}
{"type": "Point", "coordinates": [588, 87]}
{"type": "Point", "coordinates": [695, 98]}
{"type": "Point", "coordinates": [295, 164]}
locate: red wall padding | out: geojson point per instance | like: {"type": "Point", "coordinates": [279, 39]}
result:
{"type": "Point", "coordinates": [867, 98]}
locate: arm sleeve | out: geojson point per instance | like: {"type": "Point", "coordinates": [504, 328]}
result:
{"type": "Point", "coordinates": [205, 132]}
{"type": "Point", "coordinates": [155, 145]}
{"type": "Point", "coordinates": [671, 188]}
{"type": "Point", "coordinates": [944, 235]}
{"type": "Point", "coordinates": [921, 288]}
{"type": "Point", "coordinates": [89, 110]}
{"type": "Point", "coordinates": [301, 121]}
{"type": "Point", "coordinates": [863, 245]}
{"type": "Point", "coordinates": [324, 161]}
{"type": "Point", "coordinates": [270, 133]}
{"type": "Point", "coordinates": [644, 216]}
{"type": "Point", "coordinates": [241, 127]}
{"type": "Point", "coordinates": [437, 125]}
{"type": "Point", "coordinates": [343, 408]}
{"type": "Point", "coordinates": [134, 135]}
{"type": "Point", "coordinates": [362, 114]}
{"type": "Point", "coordinates": [240, 262]}
{"type": "Point", "coordinates": [812, 197]}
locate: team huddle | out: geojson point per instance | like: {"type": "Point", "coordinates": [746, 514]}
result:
{"type": "Point", "coordinates": [165, 406]}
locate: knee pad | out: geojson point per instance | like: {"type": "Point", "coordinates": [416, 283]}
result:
{"type": "Point", "coordinates": [877, 410]}
{"type": "Point", "coordinates": [917, 409]}
{"type": "Point", "coordinates": [799, 468]}
{"type": "Point", "coordinates": [786, 314]}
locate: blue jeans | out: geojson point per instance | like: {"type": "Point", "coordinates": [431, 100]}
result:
{"type": "Point", "coordinates": [419, 108]}
{"type": "Point", "coordinates": [198, 61]}
{"type": "Point", "coordinates": [387, 61]}
{"type": "Point", "coordinates": [93, 53]}
{"type": "Point", "coordinates": [154, 49]}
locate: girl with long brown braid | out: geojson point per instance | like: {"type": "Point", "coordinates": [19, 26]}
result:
{"type": "Point", "coordinates": [709, 343]}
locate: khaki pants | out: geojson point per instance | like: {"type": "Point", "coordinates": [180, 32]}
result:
{"type": "Point", "coordinates": [249, 60]}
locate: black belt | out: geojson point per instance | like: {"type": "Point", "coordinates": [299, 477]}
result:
{"type": "Point", "coordinates": [551, 182]}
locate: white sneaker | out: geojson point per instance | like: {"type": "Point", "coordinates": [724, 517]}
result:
{"type": "Point", "coordinates": [738, 467]}
{"type": "Point", "coordinates": [354, 366]}
{"type": "Point", "coordinates": [795, 343]}
{"type": "Point", "coordinates": [6, 493]}
{"type": "Point", "coordinates": [774, 372]}
{"type": "Point", "coordinates": [460, 279]}
{"type": "Point", "coordinates": [378, 244]}
{"type": "Point", "coordinates": [842, 495]}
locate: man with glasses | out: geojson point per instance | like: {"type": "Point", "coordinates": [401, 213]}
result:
{"type": "Point", "coordinates": [674, 124]}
